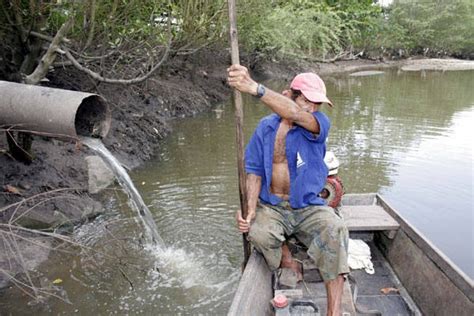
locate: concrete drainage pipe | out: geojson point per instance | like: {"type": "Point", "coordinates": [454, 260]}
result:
{"type": "Point", "coordinates": [53, 112]}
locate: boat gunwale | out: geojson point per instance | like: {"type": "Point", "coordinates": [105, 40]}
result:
{"type": "Point", "coordinates": [459, 278]}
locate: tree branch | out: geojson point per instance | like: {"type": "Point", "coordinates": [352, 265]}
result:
{"type": "Point", "coordinates": [93, 9]}
{"type": "Point", "coordinates": [47, 37]}
{"type": "Point", "coordinates": [50, 55]}
{"type": "Point", "coordinates": [100, 78]}
{"type": "Point", "coordinates": [112, 52]}
{"type": "Point", "coordinates": [19, 20]}
{"type": "Point", "coordinates": [37, 196]}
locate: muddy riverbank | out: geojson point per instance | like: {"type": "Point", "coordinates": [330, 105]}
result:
{"type": "Point", "coordinates": [52, 192]}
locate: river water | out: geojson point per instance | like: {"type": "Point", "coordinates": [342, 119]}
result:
{"type": "Point", "coordinates": [407, 136]}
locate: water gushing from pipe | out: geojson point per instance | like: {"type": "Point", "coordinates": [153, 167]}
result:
{"type": "Point", "coordinates": [127, 184]}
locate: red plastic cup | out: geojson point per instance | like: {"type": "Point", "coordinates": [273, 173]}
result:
{"type": "Point", "coordinates": [280, 301]}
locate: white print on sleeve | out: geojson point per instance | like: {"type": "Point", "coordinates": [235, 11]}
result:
{"type": "Point", "coordinates": [299, 160]}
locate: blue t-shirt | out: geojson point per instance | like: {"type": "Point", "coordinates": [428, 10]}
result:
{"type": "Point", "coordinates": [305, 155]}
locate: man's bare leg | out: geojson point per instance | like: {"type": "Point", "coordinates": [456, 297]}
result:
{"type": "Point", "coordinates": [334, 289]}
{"type": "Point", "coordinates": [287, 261]}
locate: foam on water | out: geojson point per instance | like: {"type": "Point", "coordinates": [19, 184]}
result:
{"type": "Point", "coordinates": [178, 268]}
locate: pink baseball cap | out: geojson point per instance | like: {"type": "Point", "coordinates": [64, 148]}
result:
{"type": "Point", "coordinates": [312, 87]}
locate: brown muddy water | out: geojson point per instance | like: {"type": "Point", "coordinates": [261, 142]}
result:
{"type": "Point", "coordinates": [407, 136]}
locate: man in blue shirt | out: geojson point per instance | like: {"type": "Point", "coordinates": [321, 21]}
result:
{"type": "Point", "coordinates": [285, 167]}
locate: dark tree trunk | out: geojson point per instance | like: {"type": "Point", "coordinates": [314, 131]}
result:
{"type": "Point", "coordinates": [20, 147]}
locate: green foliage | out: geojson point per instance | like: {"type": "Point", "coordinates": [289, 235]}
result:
{"type": "Point", "coordinates": [445, 27]}
{"type": "Point", "coordinates": [115, 22]}
{"type": "Point", "coordinates": [193, 23]}
{"type": "Point", "coordinates": [361, 21]}
{"type": "Point", "coordinates": [320, 28]}
{"type": "Point", "coordinates": [132, 34]}
{"type": "Point", "coordinates": [304, 28]}
{"type": "Point", "coordinates": [201, 21]}
{"type": "Point", "coordinates": [308, 28]}
{"type": "Point", "coordinates": [119, 22]}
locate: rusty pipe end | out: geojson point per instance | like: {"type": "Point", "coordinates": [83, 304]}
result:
{"type": "Point", "coordinates": [93, 117]}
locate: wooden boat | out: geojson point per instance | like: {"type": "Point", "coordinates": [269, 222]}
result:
{"type": "Point", "coordinates": [419, 278]}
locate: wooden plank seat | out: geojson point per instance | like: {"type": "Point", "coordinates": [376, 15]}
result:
{"type": "Point", "coordinates": [367, 218]}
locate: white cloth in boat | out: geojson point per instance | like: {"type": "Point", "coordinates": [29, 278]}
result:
{"type": "Point", "coordinates": [359, 256]}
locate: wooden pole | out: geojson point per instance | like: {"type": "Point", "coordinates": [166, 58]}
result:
{"type": "Point", "coordinates": [237, 100]}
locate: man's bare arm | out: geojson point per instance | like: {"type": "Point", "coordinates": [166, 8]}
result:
{"type": "Point", "coordinates": [288, 109]}
{"type": "Point", "coordinates": [239, 78]}
{"type": "Point", "coordinates": [253, 184]}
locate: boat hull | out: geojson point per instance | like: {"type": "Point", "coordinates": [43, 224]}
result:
{"type": "Point", "coordinates": [426, 280]}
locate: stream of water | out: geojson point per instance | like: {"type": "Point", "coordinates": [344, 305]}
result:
{"type": "Point", "coordinates": [123, 178]}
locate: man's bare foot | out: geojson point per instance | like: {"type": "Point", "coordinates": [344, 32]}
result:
{"type": "Point", "coordinates": [294, 266]}
{"type": "Point", "coordinates": [287, 261]}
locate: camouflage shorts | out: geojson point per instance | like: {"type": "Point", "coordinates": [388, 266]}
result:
{"type": "Point", "coordinates": [318, 227]}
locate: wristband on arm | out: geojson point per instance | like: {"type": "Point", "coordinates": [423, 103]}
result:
{"type": "Point", "coordinates": [260, 90]}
